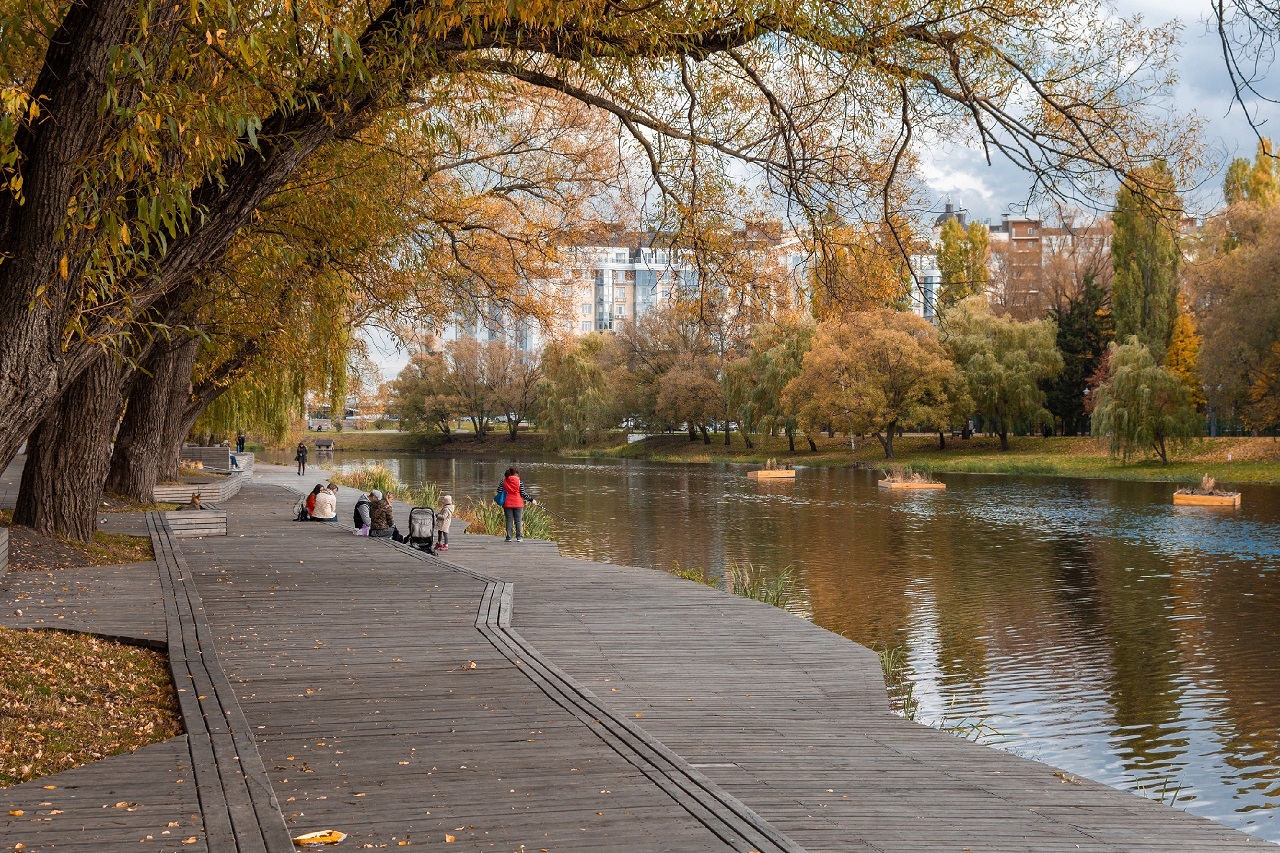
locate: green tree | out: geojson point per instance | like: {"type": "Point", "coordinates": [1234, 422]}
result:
{"type": "Point", "coordinates": [1141, 405]}
{"type": "Point", "coordinates": [874, 372]}
{"type": "Point", "coordinates": [1084, 331]}
{"type": "Point", "coordinates": [776, 357]}
{"type": "Point", "coordinates": [1004, 362]}
{"type": "Point", "coordinates": [419, 395]}
{"type": "Point", "coordinates": [576, 391]}
{"type": "Point", "coordinates": [962, 260]}
{"type": "Point", "coordinates": [1146, 256]}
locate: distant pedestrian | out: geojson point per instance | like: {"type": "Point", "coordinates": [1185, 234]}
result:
{"type": "Point", "coordinates": [240, 443]}
{"type": "Point", "coordinates": [442, 523]}
{"type": "Point", "coordinates": [513, 506]}
{"type": "Point", "coordinates": [301, 458]}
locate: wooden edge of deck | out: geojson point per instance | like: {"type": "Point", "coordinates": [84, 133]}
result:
{"type": "Point", "coordinates": [238, 805]}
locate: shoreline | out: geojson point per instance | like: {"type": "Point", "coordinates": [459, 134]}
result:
{"type": "Point", "coordinates": [1229, 460]}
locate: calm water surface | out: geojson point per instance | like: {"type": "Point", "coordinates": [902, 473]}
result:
{"type": "Point", "coordinates": [1089, 624]}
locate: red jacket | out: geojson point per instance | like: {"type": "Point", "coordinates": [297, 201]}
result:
{"type": "Point", "coordinates": [515, 492]}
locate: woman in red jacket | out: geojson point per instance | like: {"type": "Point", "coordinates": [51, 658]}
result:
{"type": "Point", "coordinates": [513, 505]}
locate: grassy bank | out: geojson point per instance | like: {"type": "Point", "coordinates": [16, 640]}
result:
{"type": "Point", "coordinates": [1233, 460]}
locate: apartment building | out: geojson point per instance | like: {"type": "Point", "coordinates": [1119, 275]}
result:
{"type": "Point", "coordinates": [610, 275]}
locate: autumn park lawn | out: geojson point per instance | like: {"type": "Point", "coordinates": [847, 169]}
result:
{"type": "Point", "coordinates": [1253, 460]}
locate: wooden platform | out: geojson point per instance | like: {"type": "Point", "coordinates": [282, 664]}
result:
{"type": "Point", "coordinates": [1183, 499]}
{"type": "Point", "coordinates": [909, 486]}
{"type": "Point", "coordinates": [765, 474]}
{"type": "Point", "coordinates": [191, 523]}
{"type": "Point", "coordinates": [512, 698]}
{"type": "Point", "coordinates": [4, 550]}
{"type": "Point", "coordinates": [216, 489]}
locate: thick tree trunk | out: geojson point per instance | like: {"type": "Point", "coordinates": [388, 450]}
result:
{"type": "Point", "coordinates": [791, 439]}
{"type": "Point", "coordinates": [813, 446]}
{"type": "Point", "coordinates": [69, 454]}
{"type": "Point", "coordinates": [726, 433]}
{"type": "Point", "coordinates": [693, 433]}
{"type": "Point", "coordinates": [149, 442]}
{"type": "Point", "coordinates": [706, 437]}
{"type": "Point", "coordinates": [886, 442]}
{"type": "Point", "coordinates": [942, 440]}
{"type": "Point", "coordinates": [746, 439]}
{"type": "Point", "coordinates": [513, 427]}
{"type": "Point", "coordinates": [1004, 439]}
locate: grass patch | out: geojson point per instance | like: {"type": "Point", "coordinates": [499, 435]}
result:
{"type": "Point", "coordinates": [383, 479]}
{"type": "Point", "coordinates": [486, 517]}
{"type": "Point", "coordinates": [1233, 460]}
{"type": "Point", "coordinates": [112, 549]}
{"type": "Point", "coordinates": [69, 699]}
{"type": "Point", "coordinates": [780, 590]}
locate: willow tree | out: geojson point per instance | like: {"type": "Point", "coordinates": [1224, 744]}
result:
{"type": "Point", "coordinates": [1142, 405]}
{"type": "Point", "coordinates": [138, 138]}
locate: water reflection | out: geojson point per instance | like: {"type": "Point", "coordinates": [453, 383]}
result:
{"type": "Point", "coordinates": [1089, 624]}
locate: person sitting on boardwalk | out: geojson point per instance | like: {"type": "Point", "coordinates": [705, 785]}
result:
{"type": "Point", "coordinates": [382, 518]}
{"type": "Point", "coordinates": [442, 523]}
{"type": "Point", "coordinates": [513, 506]}
{"type": "Point", "coordinates": [326, 505]}
{"type": "Point", "coordinates": [301, 458]}
{"type": "Point", "coordinates": [362, 518]}
{"type": "Point", "coordinates": [311, 500]}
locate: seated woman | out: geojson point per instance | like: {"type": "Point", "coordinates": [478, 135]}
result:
{"type": "Point", "coordinates": [311, 500]}
{"type": "Point", "coordinates": [326, 506]}
{"type": "Point", "coordinates": [382, 519]}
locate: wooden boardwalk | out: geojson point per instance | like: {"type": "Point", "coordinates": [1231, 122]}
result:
{"type": "Point", "coordinates": [512, 699]}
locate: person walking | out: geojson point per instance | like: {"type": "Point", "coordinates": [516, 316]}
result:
{"type": "Point", "coordinates": [301, 458]}
{"type": "Point", "coordinates": [513, 505]}
{"type": "Point", "coordinates": [240, 443]}
{"type": "Point", "coordinates": [442, 523]}
{"type": "Point", "coordinates": [326, 505]}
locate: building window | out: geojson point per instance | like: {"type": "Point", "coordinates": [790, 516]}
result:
{"type": "Point", "coordinates": [618, 310]}
{"type": "Point", "coordinates": [619, 257]}
{"type": "Point", "coordinates": [619, 275]}
{"type": "Point", "coordinates": [619, 294]}
{"type": "Point", "coordinates": [586, 308]}
{"type": "Point", "coordinates": [586, 325]}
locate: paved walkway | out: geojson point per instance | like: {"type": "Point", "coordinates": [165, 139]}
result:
{"type": "Point", "coordinates": [512, 699]}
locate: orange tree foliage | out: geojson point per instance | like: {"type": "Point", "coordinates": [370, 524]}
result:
{"type": "Point", "coordinates": [138, 139]}
{"type": "Point", "coordinates": [873, 372]}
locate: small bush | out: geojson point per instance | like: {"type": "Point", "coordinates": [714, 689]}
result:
{"type": "Point", "coordinates": [384, 480]}
{"type": "Point", "coordinates": [698, 575]}
{"type": "Point", "coordinates": [746, 580]}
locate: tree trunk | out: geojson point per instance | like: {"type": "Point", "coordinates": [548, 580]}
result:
{"type": "Point", "coordinates": [746, 439]}
{"type": "Point", "coordinates": [726, 433]}
{"type": "Point", "coordinates": [942, 440]}
{"type": "Point", "coordinates": [513, 427]}
{"type": "Point", "coordinates": [693, 433]}
{"type": "Point", "coordinates": [791, 439]}
{"type": "Point", "coordinates": [886, 442]}
{"type": "Point", "coordinates": [149, 443]}
{"type": "Point", "coordinates": [1160, 449]}
{"type": "Point", "coordinates": [1004, 439]}
{"type": "Point", "coordinates": [69, 454]}
{"type": "Point", "coordinates": [813, 448]}
{"type": "Point", "coordinates": [706, 436]}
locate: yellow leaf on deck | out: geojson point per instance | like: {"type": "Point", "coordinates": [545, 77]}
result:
{"type": "Point", "coordinates": [449, 839]}
{"type": "Point", "coordinates": [315, 839]}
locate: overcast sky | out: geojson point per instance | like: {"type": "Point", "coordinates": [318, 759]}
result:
{"type": "Point", "coordinates": [987, 191]}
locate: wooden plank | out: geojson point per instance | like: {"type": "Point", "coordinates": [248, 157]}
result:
{"type": "Point", "coordinates": [4, 550]}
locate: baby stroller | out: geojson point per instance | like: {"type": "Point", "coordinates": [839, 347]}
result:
{"type": "Point", "coordinates": [422, 528]}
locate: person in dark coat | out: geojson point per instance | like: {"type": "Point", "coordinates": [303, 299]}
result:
{"type": "Point", "coordinates": [301, 458]}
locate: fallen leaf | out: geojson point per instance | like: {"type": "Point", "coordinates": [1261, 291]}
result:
{"type": "Point", "coordinates": [16, 812]}
{"type": "Point", "coordinates": [449, 839]}
{"type": "Point", "coordinates": [315, 839]}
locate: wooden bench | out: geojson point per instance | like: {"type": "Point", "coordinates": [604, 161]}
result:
{"type": "Point", "coordinates": [191, 523]}
{"type": "Point", "coordinates": [4, 550]}
{"type": "Point", "coordinates": [217, 490]}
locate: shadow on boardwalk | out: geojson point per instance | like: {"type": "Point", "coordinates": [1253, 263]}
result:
{"type": "Point", "coordinates": [620, 709]}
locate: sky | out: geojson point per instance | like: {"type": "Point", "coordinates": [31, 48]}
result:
{"type": "Point", "coordinates": [962, 175]}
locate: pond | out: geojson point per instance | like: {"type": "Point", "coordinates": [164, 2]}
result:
{"type": "Point", "coordinates": [1089, 624]}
